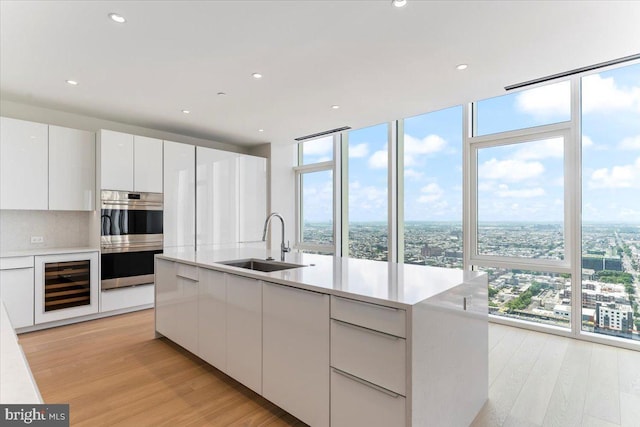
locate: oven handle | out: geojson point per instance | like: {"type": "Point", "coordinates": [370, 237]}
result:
{"type": "Point", "coordinates": [131, 248]}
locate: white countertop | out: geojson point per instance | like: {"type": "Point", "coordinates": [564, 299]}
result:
{"type": "Point", "coordinates": [46, 251]}
{"type": "Point", "coordinates": [392, 284]}
{"type": "Point", "coordinates": [16, 382]}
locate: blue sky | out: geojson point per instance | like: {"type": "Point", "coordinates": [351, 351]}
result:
{"type": "Point", "coordinates": [517, 182]}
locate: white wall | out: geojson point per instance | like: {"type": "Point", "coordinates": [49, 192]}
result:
{"type": "Point", "coordinates": [282, 190]}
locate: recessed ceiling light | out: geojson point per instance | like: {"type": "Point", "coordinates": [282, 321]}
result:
{"type": "Point", "coordinates": [335, 107]}
{"type": "Point", "coordinates": [117, 18]}
{"type": "Point", "coordinates": [399, 3]}
{"type": "Point", "coordinates": [260, 130]}
{"type": "Point", "coordinates": [221, 94]}
{"type": "Point", "coordinates": [186, 111]}
{"type": "Point", "coordinates": [257, 75]}
{"type": "Point", "coordinates": [72, 82]}
{"type": "Point", "coordinates": [461, 67]}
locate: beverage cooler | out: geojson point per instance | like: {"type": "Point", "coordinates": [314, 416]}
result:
{"type": "Point", "coordinates": [66, 286]}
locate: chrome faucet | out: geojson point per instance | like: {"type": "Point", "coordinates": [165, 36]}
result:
{"type": "Point", "coordinates": [283, 249]}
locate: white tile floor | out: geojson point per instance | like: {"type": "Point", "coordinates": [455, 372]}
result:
{"type": "Point", "coordinates": [538, 379]}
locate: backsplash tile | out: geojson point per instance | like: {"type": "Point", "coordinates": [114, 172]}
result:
{"type": "Point", "coordinates": [60, 229]}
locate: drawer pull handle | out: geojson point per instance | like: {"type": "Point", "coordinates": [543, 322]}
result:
{"type": "Point", "coordinates": [187, 278]}
{"type": "Point", "coordinates": [367, 383]}
{"type": "Point", "coordinates": [364, 329]}
{"type": "Point", "coordinates": [368, 304]}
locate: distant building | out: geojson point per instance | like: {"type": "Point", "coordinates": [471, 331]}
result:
{"type": "Point", "coordinates": [561, 310]}
{"type": "Point", "coordinates": [617, 317]}
{"type": "Point", "coordinates": [599, 263]}
{"type": "Point", "coordinates": [428, 251]}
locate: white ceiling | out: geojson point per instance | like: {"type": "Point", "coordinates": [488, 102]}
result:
{"type": "Point", "coordinates": [377, 62]}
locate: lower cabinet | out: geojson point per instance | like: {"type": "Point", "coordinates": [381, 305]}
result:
{"type": "Point", "coordinates": [295, 352]}
{"type": "Point", "coordinates": [16, 289]}
{"type": "Point", "coordinates": [212, 318]}
{"type": "Point", "coordinates": [356, 402]}
{"type": "Point", "coordinates": [244, 331]}
{"type": "Point", "coordinates": [177, 303]}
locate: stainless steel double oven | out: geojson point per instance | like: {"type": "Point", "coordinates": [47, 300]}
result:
{"type": "Point", "coordinates": [131, 235]}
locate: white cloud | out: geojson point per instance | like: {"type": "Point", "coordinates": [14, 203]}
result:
{"type": "Point", "coordinates": [379, 160]}
{"type": "Point", "coordinates": [545, 101]}
{"type": "Point", "coordinates": [366, 203]}
{"type": "Point", "coordinates": [512, 170]}
{"type": "Point", "coordinates": [586, 142]}
{"type": "Point", "coordinates": [413, 174]}
{"type": "Point", "coordinates": [626, 176]}
{"type": "Point", "coordinates": [414, 147]}
{"type": "Point", "coordinates": [524, 193]}
{"type": "Point", "coordinates": [358, 151]}
{"type": "Point", "coordinates": [541, 150]}
{"type": "Point", "coordinates": [603, 95]}
{"type": "Point", "coordinates": [318, 147]}
{"type": "Point", "coordinates": [631, 143]}
{"type": "Point", "coordinates": [430, 193]}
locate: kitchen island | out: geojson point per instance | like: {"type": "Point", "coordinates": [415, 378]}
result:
{"type": "Point", "coordinates": [336, 341]}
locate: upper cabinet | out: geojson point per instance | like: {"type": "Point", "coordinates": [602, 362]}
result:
{"type": "Point", "coordinates": [130, 163]}
{"type": "Point", "coordinates": [23, 164]}
{"type": "Point", "coordinates": [46, 167]}
{"type": "Point", "coordinates": [72, 157]}
{"type": "Point", "coordinates": [179, 215]}
{"type": "Point", "coordinates": [231, 195]}
{"type": "Point", "coordinates": [147, 164]}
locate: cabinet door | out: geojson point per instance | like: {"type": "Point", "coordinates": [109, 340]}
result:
{"type": "Point", "coordinates": [116, 160]}
{"type": "Point", "coordinates": [244, 331]}
{"type": "Point", "coordinates": [212, 318]}
{"type": "Point", "coordinates": [179, 195]}
{"type": "Point", "coordinates": [23, 164]}
{"type": "Point", "coordinates": [16, 291]}
{"type": "Point", "coordinates": [217, 194]}
{"type": "Point", "coordinates": [166, 290]}
{"type": "Point", "coordinates": [72, 169]}
{"type": "Point", "coordinates": [252, 197]}
{"type": "Point", "coordinates": [147, 164]}
{"type": "Point", "coordinates": [177, 303]}
{"type": "Point", "coordinates": [296, 352]}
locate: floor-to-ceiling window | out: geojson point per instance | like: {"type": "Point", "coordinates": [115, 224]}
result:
{"type": "Point", "coordinates": [432, 181]}
{"type": "Point", "coordinates": [315, 192]}
{"type": "Point", "coordinates": [367, 169]}
{"type": "Point", "coordinates": [518, 185]}
{"type": "Point", "coordinates": [611, 202]}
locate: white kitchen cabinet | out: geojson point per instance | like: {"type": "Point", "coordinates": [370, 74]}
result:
{"type": "Point", "coordinates": [72, 169]}
{"type": "Point", "coordinates": [127, 297]}
{"type": "Point", "coordinates": [147, 164]}
{"type": "Point", "coordinates": [296, 352]}
{"type": "Point", "coordinates": [16, 289]}
{"type": "Point", "coordinates": [355, 402]}
{"type": "Point", "coordinates": [116, 160]}
{"type": "Point", "coordinates": [252, 188]}
{"type": "Point", "coordinates": [23, 164]}
{"type": "Point", "coordinates": [218, 196]}
{"type": "Point", "coordinates": [244, 331]}
{"type": "Point", "coordinates": [177, 303]}
{"type": "Point", "coordinates": [179, 195]}
{"type": "Point", "coordinates": [212, 318]}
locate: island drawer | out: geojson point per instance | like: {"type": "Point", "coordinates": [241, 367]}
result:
{"type": "Point", "coordinates": [358, 403]}
{"type": "Point", "coordinates": [389, 320]}
{"type": "Point", "coordinates": [187, 271]}
{"type": "Point", "coordinates": [374, 356]}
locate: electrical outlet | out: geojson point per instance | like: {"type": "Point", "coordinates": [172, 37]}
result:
{"type": "Point", "coordinates": [37, 239]}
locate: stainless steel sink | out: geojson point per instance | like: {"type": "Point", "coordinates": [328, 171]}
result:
{"type": "Point", "coordinates": [261, 265]}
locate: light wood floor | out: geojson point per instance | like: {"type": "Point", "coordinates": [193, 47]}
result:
{"type": "Point", "coordinates": [538, 379]}
{"type": "Point", "coordinates": [113, 372]}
